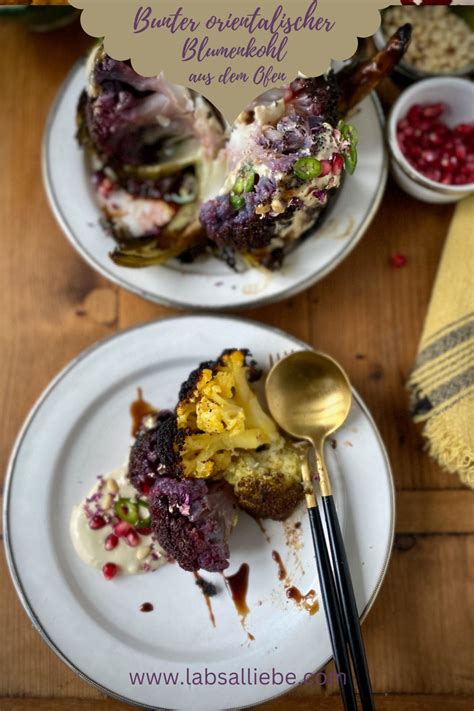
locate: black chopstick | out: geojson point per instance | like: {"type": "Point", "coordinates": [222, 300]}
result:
{"type": "Point", "coordinates": [347, 602]}
{"type": "Point", "coordinates": [333, 611]}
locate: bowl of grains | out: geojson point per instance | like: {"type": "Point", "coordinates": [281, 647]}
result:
{"type": "Point", "coordinates": [442, 41]}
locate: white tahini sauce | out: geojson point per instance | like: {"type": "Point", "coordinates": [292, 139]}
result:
{"type": "Point", "coordinates": [141, 556]}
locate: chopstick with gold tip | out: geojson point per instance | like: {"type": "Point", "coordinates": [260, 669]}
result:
{"type": "Point", "coordinates": [329, 594]}
{"type": "Point", "coordinates": [309, 396]}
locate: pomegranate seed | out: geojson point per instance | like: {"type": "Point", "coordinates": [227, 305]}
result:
{"type": "Point", "coordinates": [133, 539]}
{"type": "Point", "coordinates": [337, 164]}
{"type": "Point", "coordinates": [414, 113]}
{"type": "Point", "coordinates": [464, 129]}
{"type": "Point", "coordinates": [97, 522]}
{"type": "Point", "coordinates": [433, 174]}
{"type": "Point", "coordinates": [414, 152]}
{"type": "Point", "coordinates": [111, 542]}
{"type": "Point", "coordinates": [122, 528]}
{"type": "Point", "coordinates": [110, 570]}
{"type": "Point", "coordinates": [433, 110]}
{"type": "Point", "coordinates": [398, 260]}
{"type": "Point", "coordinates": [144, 531]}
{"type": "Point", "coordinates": [449, 164]}
{"type": "Point", "coordinates": [429, 156]}
{"type": "Point", "coordinates": [467, 170]}
{"type": "Point", "coordinates": [440, 153]}
{"type": "Point", "coordinates": [146, 488]}
{"type": "Point", "coordinates": [325, 168]}
{"type": "Point", "coordinates": [435, 138]}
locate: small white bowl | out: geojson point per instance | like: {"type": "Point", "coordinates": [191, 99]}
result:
{"type": "Point", "coordinates": [458, 95]}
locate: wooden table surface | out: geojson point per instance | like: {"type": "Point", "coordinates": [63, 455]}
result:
{"type": "Point", "coordinates": [366, 313]}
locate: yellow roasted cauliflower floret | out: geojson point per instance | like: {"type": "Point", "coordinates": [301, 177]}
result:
{"type": "Point", "coordinates": [223, 433]}
{"type": "Point", "coordinates": [219, 414]}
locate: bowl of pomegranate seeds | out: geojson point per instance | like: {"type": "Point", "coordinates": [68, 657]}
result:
{"type": "Point", "coordinates": [431, 139]}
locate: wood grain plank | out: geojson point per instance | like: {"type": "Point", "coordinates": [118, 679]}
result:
{"type": "Point", "coordinates": [435, 511]}
{"type": "Point", "coordinates": [52, 305]}
{"type": "Point", "coordinates": [386, 702]}
{"type": "Point", "coordinates": [417, 633]}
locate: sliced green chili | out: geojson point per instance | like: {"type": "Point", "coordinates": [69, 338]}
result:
{"type": "Point", "coordinates": [237, 201]}
{"type": "Point", "coordinates": [307, 168]}
{"type": "Point", "coordinates": [245, 182]}
{"type": "Point", "coordinates": [126, 510]}
{"type": "Point", "coordinates": [349, 132]}
{"type": "Point", "coordinates": [350, 159]}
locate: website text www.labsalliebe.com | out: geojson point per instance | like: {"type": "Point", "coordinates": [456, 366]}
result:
{"type": "Point", "coordinates": [245, 676]}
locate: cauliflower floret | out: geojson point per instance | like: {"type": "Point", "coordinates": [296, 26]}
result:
{"type": "Point", "coordinates": [267, 483]}
{"type": "Point", "coordinates": [218, 413]}
{"type": "Point", "coordinates": [219, 432]}
{"type": "Point", "coordinates": [192, 520]}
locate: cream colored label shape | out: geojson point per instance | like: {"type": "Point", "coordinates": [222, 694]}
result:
{"type": "Point", "coordinates": [230, 51]}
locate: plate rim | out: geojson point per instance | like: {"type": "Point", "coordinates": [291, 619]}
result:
{"type": "Point", "coordinates": [301, 286]}
{"type": "Point", "coordinates": [9, 553]}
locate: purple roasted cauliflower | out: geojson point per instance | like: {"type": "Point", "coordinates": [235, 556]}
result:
{"type": "Point", "coordinates": [297, 142]}
{"type": "Point", "coordinates": [286, 153]}
{"type": "Point", "coordinates": [218, 450]}
{"type": "Point", "coordinates": [141, 121]}
{"type": "Point", "coordinates": [192, 520]}
{"type": "Point", "coordinates": [146, 139]}
{"type": "Point", "coordinates": [173, 182]}
{"type": "Point", "coordinates": [152, 454]}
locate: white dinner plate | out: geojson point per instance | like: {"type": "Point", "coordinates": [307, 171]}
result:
{"type": "Point", "coordinates": [209, 283]}
{"type": "Point", "coordinates": [80, 428]}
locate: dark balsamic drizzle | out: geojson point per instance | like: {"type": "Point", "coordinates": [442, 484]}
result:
{"type": "Point", "coordinates": [282, 574]}
{"type": "Point", "coordinates": [146, 607]}
{"type": "Point", "coordinates": [139, 409]}
{"type": "Point", "coordinates": [208, 590]}
{"type": "Point", "coordinates": [308, 601]}
{"type": "Point", "coordinates": [238, 586]}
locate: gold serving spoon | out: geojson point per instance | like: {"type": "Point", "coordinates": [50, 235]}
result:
{"type": "Point", "coordinates": [310, 396]}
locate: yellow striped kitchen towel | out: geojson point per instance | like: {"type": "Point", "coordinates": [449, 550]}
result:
{"type": "Point", "coordinates": [442, 382]}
